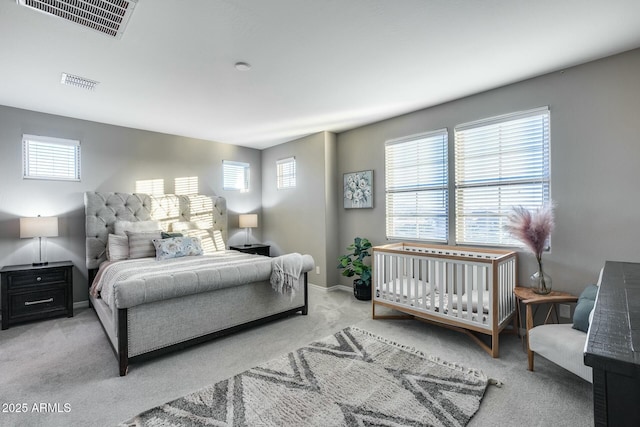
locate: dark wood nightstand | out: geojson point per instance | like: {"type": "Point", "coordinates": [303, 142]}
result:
{"type": "Point", "coordinates": [258, 249]}
{"type": "Point", "coordinates": [36, 292]}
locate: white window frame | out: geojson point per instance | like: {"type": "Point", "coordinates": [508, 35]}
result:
{"type": "Point", "coordinates": [286, 173]}
{"type": "Point", "coordinates": [417, 187]}
{"type": "Point", "coordinates": [500, 162]}
{"type": "Point", "coordinates": [235, 175]}
{"type": "Point", "coordinates": [49, 158]}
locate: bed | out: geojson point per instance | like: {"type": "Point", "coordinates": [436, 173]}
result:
{"type": "Point", "coordinates": [152, 305]}
{"type": "Point", "coordinates": [463, 288]}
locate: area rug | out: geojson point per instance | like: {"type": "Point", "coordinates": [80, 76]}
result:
{"type": "Point", "coordinates": [353, 378]}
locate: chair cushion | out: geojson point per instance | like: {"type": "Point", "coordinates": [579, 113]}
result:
{"type": "Point", "coordinates": [562, 345]}
{"type": "Point", "coordinates": [583, 308]}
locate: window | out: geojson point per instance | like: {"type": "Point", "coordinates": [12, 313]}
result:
{"type": "Point", "coordinates": [286, 173]}
{"type": "Point", "coordinates": [44, 157]}
{"type": "Point", "coordinates": [235, 175]}
{"type": "Point", "coordinates": [150, 186]}
{"type": "Point", "coordinates": [417, 187]}
{"type": "Point", "coordinates": [499, 163]}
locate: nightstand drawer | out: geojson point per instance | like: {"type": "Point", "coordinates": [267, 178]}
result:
{"type": "Point", "coordinates": [37, 278]}
{"type": "Point", "coordinates": [44, 300]}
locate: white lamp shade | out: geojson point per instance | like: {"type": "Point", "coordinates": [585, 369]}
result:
{"type": "Point", "coordinates": [41, 226]}
{"type": "Point", "coordinates": [248, 220]}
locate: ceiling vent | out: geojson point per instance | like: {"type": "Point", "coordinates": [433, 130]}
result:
{"type": "Point", "coordinates": [109, 17]}
{"type": "Point", "coordinates": [77, 81]}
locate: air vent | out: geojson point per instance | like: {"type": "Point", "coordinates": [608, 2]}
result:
{"type": "Point", "coordinates": [77, 81]}
{"type": "Point", "coordinates": [109, 17]}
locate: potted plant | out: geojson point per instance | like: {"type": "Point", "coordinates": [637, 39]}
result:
{"type": "Point", "coordinates": [353, 265]}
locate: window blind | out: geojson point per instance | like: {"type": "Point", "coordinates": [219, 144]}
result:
{"type": "Point", "coordinates": [286, 173]}
{"type": "Point", "coordinates": [416, 182]}
{"type": "Point", "coordinates": [235, 175]}
{"type": "Point", "coordinates": [50, 158]}
{"type": "Point", "coordinates": [500, 163]}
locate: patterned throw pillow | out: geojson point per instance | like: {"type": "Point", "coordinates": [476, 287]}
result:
{"type": "Point", "coordinates": [176, 247]}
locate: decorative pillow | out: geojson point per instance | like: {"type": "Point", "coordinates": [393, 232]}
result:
{"type": "Point", "coordinates": [141, 244]}
{"type": "Point", "coordinates": [121, 227]}
{"type": "Point", "coordinates": [583, 308]}
{"type": "Point", "coordinates": [166, 235]}
{"type": "Point", "coordinates": [176, 247]}
{"type": "Point", "coordinates": [208, 245]}
{"type": "Point", "coordinates": [117, 247]}
{"type": "Point", "coordinates": [183, 225]}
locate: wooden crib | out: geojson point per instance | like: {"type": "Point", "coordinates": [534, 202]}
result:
{"type": "Point", "coordinates": [463, 288]}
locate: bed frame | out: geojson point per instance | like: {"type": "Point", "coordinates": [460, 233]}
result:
{"type": "Point", "coordinates": [466, 289]}
{"type": "Point", "coordinates": [148, 330]}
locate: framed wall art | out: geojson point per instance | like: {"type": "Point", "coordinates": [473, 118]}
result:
{"type": "Point", "coordinates": [358, 190]}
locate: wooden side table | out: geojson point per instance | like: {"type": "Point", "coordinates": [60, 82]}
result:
{"type": "Point", "coordinates": [532, 301]}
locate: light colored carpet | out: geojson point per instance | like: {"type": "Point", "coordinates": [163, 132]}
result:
{"type": "Point", "coordinates": [69, 361]}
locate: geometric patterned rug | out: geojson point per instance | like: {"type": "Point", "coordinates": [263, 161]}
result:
{"type": "Point", "coordinates": [353, 378]}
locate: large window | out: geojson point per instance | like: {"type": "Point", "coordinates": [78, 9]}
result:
{"type": "Point", "coordinates": [500, 163]}
{"type": "Point", "coordinates": [417, 187]}
{"type": "Point", "coordinates": [235, 175]}
{"type": "Point", "coordinates": [286, 173]}
{"type": "Point", "coordinates": [50, 158]}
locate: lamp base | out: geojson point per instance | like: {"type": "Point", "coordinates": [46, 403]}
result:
{"type": "Point", "coordinates": [39, 264]}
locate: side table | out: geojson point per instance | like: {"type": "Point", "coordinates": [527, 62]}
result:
{"type": "Point", "coordinates": [36, 292]}
{"type": "Point", "coordinates": [532, 301]}
{"type": "Point", "coordinates": [256, 248]}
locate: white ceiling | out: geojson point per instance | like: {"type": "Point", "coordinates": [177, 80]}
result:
{"type": "Point", "coordinates": [316, 64]}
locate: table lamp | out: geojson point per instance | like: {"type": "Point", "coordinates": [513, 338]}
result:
{"type": "Point", "coordinates": [39, 228]}
{"type": "Point", "coordinates": [248, 221]}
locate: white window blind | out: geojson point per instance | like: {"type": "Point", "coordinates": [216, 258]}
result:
{"type": "Point", "coordinates": [500, 163]}
{"type": "Point", "coordinates": [416, 181]}
{"type": "Point", "coordinates": [235, 175]}
{"type": "Point", "coordinates": [50, 158]}
{"type": "Point", "coordinates": [286, 173]}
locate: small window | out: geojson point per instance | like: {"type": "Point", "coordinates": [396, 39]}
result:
{"type": "Point", "coordinates": [500, 162]}
{"type": "Point", "coordinates": [416, 180]}
{"type": "Point", "coordinates": [286, 173]}
{"type": "Point", "coordinates": [235, 175]}
{"type": "Point", "coordinates": [44, 157]}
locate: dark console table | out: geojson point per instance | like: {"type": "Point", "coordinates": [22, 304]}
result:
{"type": "Point", "coordinates": [613, 346]}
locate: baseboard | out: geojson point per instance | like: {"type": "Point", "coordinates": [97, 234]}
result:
{"type": "Point", "coordinates": [341, 288]}
{"type": "Point", "coordinates": [80, 304]}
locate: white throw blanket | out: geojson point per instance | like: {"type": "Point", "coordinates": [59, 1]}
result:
{"type": "Point", "coordinates": [285, 273]}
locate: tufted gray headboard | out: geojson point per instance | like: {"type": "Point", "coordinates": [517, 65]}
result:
{"type": "Point", "coordinates": [102, 210]}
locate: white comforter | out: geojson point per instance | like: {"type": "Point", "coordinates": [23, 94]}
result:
{"type": "Point", "coordinates": [145, 279]}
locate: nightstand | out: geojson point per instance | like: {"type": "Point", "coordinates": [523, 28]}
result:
{"type": "Point", "coordinates": [258, 249]}
{"type": "Point", "coordinates": [36, 292]}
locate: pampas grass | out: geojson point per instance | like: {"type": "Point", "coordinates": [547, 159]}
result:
{"type": "Point", "coordinates": [532, 228]}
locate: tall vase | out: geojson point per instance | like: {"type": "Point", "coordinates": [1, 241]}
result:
{"type": "Point", "coordinates": [541, 281]}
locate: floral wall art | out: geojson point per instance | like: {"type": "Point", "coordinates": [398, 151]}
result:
{"type": "Point", "coordinates": [358, 189]}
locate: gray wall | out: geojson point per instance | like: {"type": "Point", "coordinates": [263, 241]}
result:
{"type": "Point", "coordinates": [595, 163]}
{"type": "Point", "coordinates": [303, 219]}
{"type": "Point", "coordinates": [113, 159]}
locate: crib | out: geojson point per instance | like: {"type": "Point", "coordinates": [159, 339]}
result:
{"type": "Point", "coordinates": [463, 288]}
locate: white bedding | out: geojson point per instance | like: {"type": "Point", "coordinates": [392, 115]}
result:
{"type": "Point", "coordinates": [149, 270]}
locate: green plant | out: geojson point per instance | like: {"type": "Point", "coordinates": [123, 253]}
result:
{"type": "Point", "coordinates": [353, 262]}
